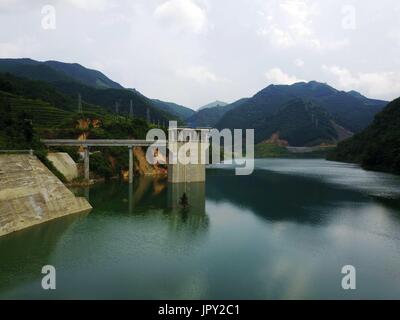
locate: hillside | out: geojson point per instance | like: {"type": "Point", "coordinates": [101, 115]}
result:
{"type": "Point", "coordinates": [51, 71]}
{"type": "Point", "coordinates": [378, 146]}
{"type": "Point", "coordinates": [213, 105]}
{"type": "Point", "coordinates": [300, 123]}
{"type": "Point", "coordinates": [84, 75]}
{"type": "Point", "coordinates": [177, 110]}
{"type": "Point", "coordinates": [209, 116]}
{"type": "Point", "coordinates": [334, 113]}
{"type": "Point", "coordinates": [115, 100]}
{"type": "Point", "coordinates": [33, 110]}
{"type": "Point", "coordinates": [94, 87]}
{"type": "Point", "coordinates": [73, 78]}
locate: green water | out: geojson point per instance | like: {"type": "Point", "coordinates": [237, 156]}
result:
{"type": "Point", "coordinates": [283, 233]}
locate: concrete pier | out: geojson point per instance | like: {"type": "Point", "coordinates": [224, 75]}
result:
{"type": "Point", "coordinates": [190, 140]}
{"type": "Point", "coordinates": [86, 164]}
{"type": "Point", "coordinates": [130, 165]}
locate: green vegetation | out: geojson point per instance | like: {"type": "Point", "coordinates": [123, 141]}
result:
{"type": "Point", "coordinates": [267, 150]}
{"type": "Point", "coordinates": [41, 113]}
{"type": "Point", "coordinates": [115, 100]}
{"type": "Point", "coordinates": [378, 146]}
{"type": "Point", "coordinates": [16, 131]}
{"type": "Point", "coordinates": [104, 162]}
{"type": "Point", "coordinates": [71, 79]}
{"type": "Point", "coordinates": [52, 71]}
{"type": "Point", "coordinates": [34, 110]}
{"type": "Point", "coordinates": [276, 109]}
{"type": "Point", "coordinates": [41, 153]}
{"type": "Point", "coordinates": [181, 112]}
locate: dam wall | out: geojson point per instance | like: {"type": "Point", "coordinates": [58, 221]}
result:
{"type": "Point", "coordinates": [30, 194]}
{"type": "Point", "coordinates": [65, 164]}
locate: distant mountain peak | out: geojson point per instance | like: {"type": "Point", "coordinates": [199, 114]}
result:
{"type": "Point", "coordinates": [214, 104]}
{"type": "Point", "coordinates": [356, 94]}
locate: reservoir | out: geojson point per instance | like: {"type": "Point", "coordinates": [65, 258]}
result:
{"type": "Point", "coordinates": [285, 232]}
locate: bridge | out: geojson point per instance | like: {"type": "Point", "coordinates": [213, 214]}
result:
{"type": "Point", "coordinates": [86, 144]}
{"type": "Point", "coordinates": [177, 172]}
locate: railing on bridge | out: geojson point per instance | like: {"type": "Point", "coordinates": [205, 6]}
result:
{"type": "Point", "coordinates": [17, 151]}
{"type": "Point", "coordinates": [103, 143]}
{"type": "Point", "coordinates": [86, 144]}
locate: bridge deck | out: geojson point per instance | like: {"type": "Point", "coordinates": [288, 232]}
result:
{"type": "Point", "coordinates": [103, 143]}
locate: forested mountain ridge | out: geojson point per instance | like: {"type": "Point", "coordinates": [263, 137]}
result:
{"type": "Point", "coordinates": [63, 95]}
{"type": "Point", "coordinates": [73, 77]}
{"type": "Point", "coordinates": [267, 108]}
{"type": "Point", "coordinates": [51, 71]}
{"type": "Point", "coordinates": [378, 146]}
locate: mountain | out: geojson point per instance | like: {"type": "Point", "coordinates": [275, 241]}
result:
{"type": "Point", "coordinates": [177, 110]}
{"type": "Point", "coordinates": [277, 110]}
{"type": "Point", "coordinates": [209, 116]}
{"type": "Point", "coordinates": [378, 146]}
{"type": "Point", "coordinates": [32, 70]}
{"type": "Point", "coordinates": [44, 104]}
{"type": "Point", "coordinates": [115, 100]}
{"type": "Point", "coordinates": [84, 75]}
{"type": "Point", "coordinates": [51, 71]}
{"type": "Point", "coordinates": [213, 105]}
{"type": "Point", "coordinates": [73, 78]}
{"type": "Point", "coordinates": [33, 110]}
{"type": "Point", "coordinates": [49, 101]}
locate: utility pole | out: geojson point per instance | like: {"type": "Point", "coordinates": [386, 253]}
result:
{"type": "Point", "coordinates": [131, 110]}
{"type": "Point", "coordinates": [79, 103]}
{"type": "Point", "coordinates": [148, 115]}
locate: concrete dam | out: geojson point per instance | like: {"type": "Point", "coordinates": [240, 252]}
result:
{"type": "Point", "coordinates": [30, 194]}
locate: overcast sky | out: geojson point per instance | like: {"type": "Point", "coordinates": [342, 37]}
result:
{"type": "Point", "coordinates": [193, 52]}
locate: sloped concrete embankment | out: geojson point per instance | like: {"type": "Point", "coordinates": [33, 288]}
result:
{"type": "Point", "coordinates": [65, 164]}
{"type": "Point", "coordinates": [30, 194]}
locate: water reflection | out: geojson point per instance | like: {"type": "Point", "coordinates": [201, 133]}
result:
{"type": "Point", "coordinates": [193, 216]}
{"type": "Point", "coordinates": [195, 193]}
{"type": "Point", "coordinates": [24, 253]}
{"type": "Point", "coordinates": [268, 236]}
{"type": "Point", "coordinates": [279, 197]}
{"type": "Point", "coordinates": [151, 196]}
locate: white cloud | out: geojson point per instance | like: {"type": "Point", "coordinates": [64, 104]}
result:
{"type": "Point", "coordinates": [8, 50]}
{"type": "Point", "coordinates": [291, 24]}
{"type": "Point", "coordinates": [200, 74]}
{"type": "Point", "coordinates": [183, 15]}
{"type": "Point", "coordinates": [299, 63]}
{"type": "Point", "coordinates": [7, 3]}
{"type": "Point", "coordinates": [148, 41]}
{"type": "Point", "coordinates": [91, 5]}
{"type": "Point", "coordinates": [277, 76]}
{"type": "Point", "coordinates": [375, 84]}
{"type": "Point", "coordinates": [21, 47]}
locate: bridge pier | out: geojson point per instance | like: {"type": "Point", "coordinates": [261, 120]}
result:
{"type": "Point", "coordinates": [130, 164]}
{"type": "Point", "coordinates": [179, 172]}
{"type": "Point", "coordinates": [86, 165]}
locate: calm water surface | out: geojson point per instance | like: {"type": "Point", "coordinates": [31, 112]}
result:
{"type": "Point", "coordinates": [283, 233]}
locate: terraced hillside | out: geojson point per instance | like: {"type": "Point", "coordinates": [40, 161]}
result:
{"type": "Point", "coordinates": [43, 114]}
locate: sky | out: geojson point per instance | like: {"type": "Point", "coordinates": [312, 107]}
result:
{"type": "Point", "coordinates": [193, 52]}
